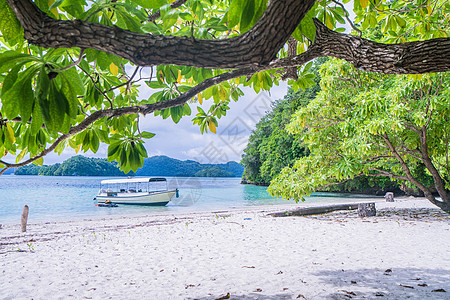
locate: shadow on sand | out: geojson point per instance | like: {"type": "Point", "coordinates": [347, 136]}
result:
{"type": "Point", "coordinates": [393, 283]}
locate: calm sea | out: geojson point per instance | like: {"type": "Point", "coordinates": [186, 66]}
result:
{"type": "Point", "coordinates": [66, 198]}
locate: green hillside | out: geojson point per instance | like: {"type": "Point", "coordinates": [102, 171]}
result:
{"type": "Point", "coordinates": [166, 166]}
{"type": "Point", "coordinates": [153, 166]}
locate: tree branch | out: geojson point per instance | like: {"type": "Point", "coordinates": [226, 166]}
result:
{"type": "Point", "coordinates": [385, 174]}
{"type": "Point", "coordinates": [347, 17]}
{"type": "Point", "coordinates": [258, 46]}
{"type": "Point", "coordinates": [75, 63]}
{"type": "Point", "coordinates": [42, 154]}
{"type": "Point", "coordinates": [430, 56]}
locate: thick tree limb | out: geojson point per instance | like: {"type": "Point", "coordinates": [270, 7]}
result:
{"type": "Point", "coordinates": [258, 46]}
{"type": "Point", "coordinates": [420, 57]}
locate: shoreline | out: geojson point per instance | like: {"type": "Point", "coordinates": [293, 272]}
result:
{"type": "Point", "coordinates": [243, 252]}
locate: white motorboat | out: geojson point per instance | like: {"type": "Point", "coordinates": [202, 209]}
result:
{"type": "Point", "coordinates": [140, 191]}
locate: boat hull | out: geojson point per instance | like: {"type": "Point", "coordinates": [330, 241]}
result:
{"type": "Point", "coordinates": [155, 198]}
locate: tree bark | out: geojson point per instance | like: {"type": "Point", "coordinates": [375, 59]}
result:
{"type": "Point", "coordinates": [444, 204]}
{"type": "Point", "coordinates": [367, 210]}
{"type": "Point", "coordinates": [438, 182]}
{"type": "Point", "coordinates": [258, 46]}
{"type": "Point", "coordinates": [407, 58]}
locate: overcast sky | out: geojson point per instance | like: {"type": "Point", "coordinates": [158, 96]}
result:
{"type": "Point", "coordinates": [184, 140]}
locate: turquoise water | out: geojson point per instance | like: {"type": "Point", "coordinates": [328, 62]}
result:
{"type": "Point", "coordinates": [62, 198]}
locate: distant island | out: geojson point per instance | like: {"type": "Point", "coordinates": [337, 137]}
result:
{"type": "Point", "coordinates": [153, 166]}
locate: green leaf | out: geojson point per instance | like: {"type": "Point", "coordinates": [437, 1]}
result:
{"type": "Point", "coordinates": [26, 101]}
{"type": "Point", "coordinates": [75, 81]}
{"type": "Point", "coordinates": [176, 113]}
{"type": "Point", "coordinates": [11, 59]}
{"type": "Point", "coordinates": [10, 134]}
{"type": "Point", "coordinates": [55, 4]}
{"type": "Point", "coordinates": [151, 4]}
{"type": "Point", "coordinates": [130, 23]}
{"type": "Point", "coordinates": [113, 151]}
{"type": "Point", "coordinates": [307, 27]}
{"type": "Point", "coordinates": [142, 151]}
{"type": "Point", "coordinates": [54, 109]}
{"type": "Point", "coordinates": [19, 98]}
{"type": "Point", "coordinates": [9, 108]}
{"type": "Point", "coordinates": [147, 135]}
{"type": "Point", "coordinates": [400, 21]}
{"type": "Point", "coordinates": [152, 27]}
{"type": "Point", "coordinates": [123, 163]}
{"type": "Point", "coordinates": [39, 161]}
{"type": "Point", "coordinates": [156, 85]}
{"type": "Point", "coordinates": [247, 15]}
{"type": "Point", "coordinates": [9, 25]}
{"type": "Point", "coordinates": [36, 120]}
{"type": "Point", "coordinates": [308, 66]}
{"type": "Point", "coordinates": [235, 12]}
{"type": "Point", "coordinates": [68, 92]}
{"type": "Point", "coordinates": [95, 142]}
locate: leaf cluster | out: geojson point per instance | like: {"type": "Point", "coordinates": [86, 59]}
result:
{"type": "Point", "coordinates": [368, 124]}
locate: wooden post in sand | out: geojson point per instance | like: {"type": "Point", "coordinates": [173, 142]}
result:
{"type": "Point", "coordinates": [366, 209]}
{"type": "Point", "coordinates": [24, 218]}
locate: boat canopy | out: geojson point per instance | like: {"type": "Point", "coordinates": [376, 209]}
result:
{"type": "Point", "coordinates": [133, 180]}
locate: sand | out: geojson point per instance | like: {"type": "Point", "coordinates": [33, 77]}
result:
{"type": "Point", "coordinates": [401, 253]}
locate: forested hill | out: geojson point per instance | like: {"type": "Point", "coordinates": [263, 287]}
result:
{"type": "Point", "coordinates": [270, 147]}
{"type": "Point", "coordinates": [153, 166]}
{"type": "Point", "coordinates": [166, 166]}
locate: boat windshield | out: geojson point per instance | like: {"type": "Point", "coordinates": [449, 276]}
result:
{"type": "Point", "coordinates": [135, 186]}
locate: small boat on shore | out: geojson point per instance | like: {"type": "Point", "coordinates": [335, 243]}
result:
{"type": "Point", "coordinates": [139, 191]}
{"type": "Point", "coordinates": [107, 203]}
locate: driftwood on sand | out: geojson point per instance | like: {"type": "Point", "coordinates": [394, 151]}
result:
{"type": "Point", "coordinates": [305, 211]}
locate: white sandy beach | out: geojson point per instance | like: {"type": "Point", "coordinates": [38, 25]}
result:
{"type": "Point", "coordinates": [401, 253]}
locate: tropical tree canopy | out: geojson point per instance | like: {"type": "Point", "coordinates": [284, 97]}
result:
{"type": "Point", "coordinates": [374, 125]}
{"type": "Point", "coordinates": [70, 69]}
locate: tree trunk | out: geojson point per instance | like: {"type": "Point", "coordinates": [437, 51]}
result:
{"type": "Point", "coordinates": [367, 210]}
{"type": "Point", "coordinates": [444, 205]}
{"type": "Point", "coordinates": [438, 182]}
